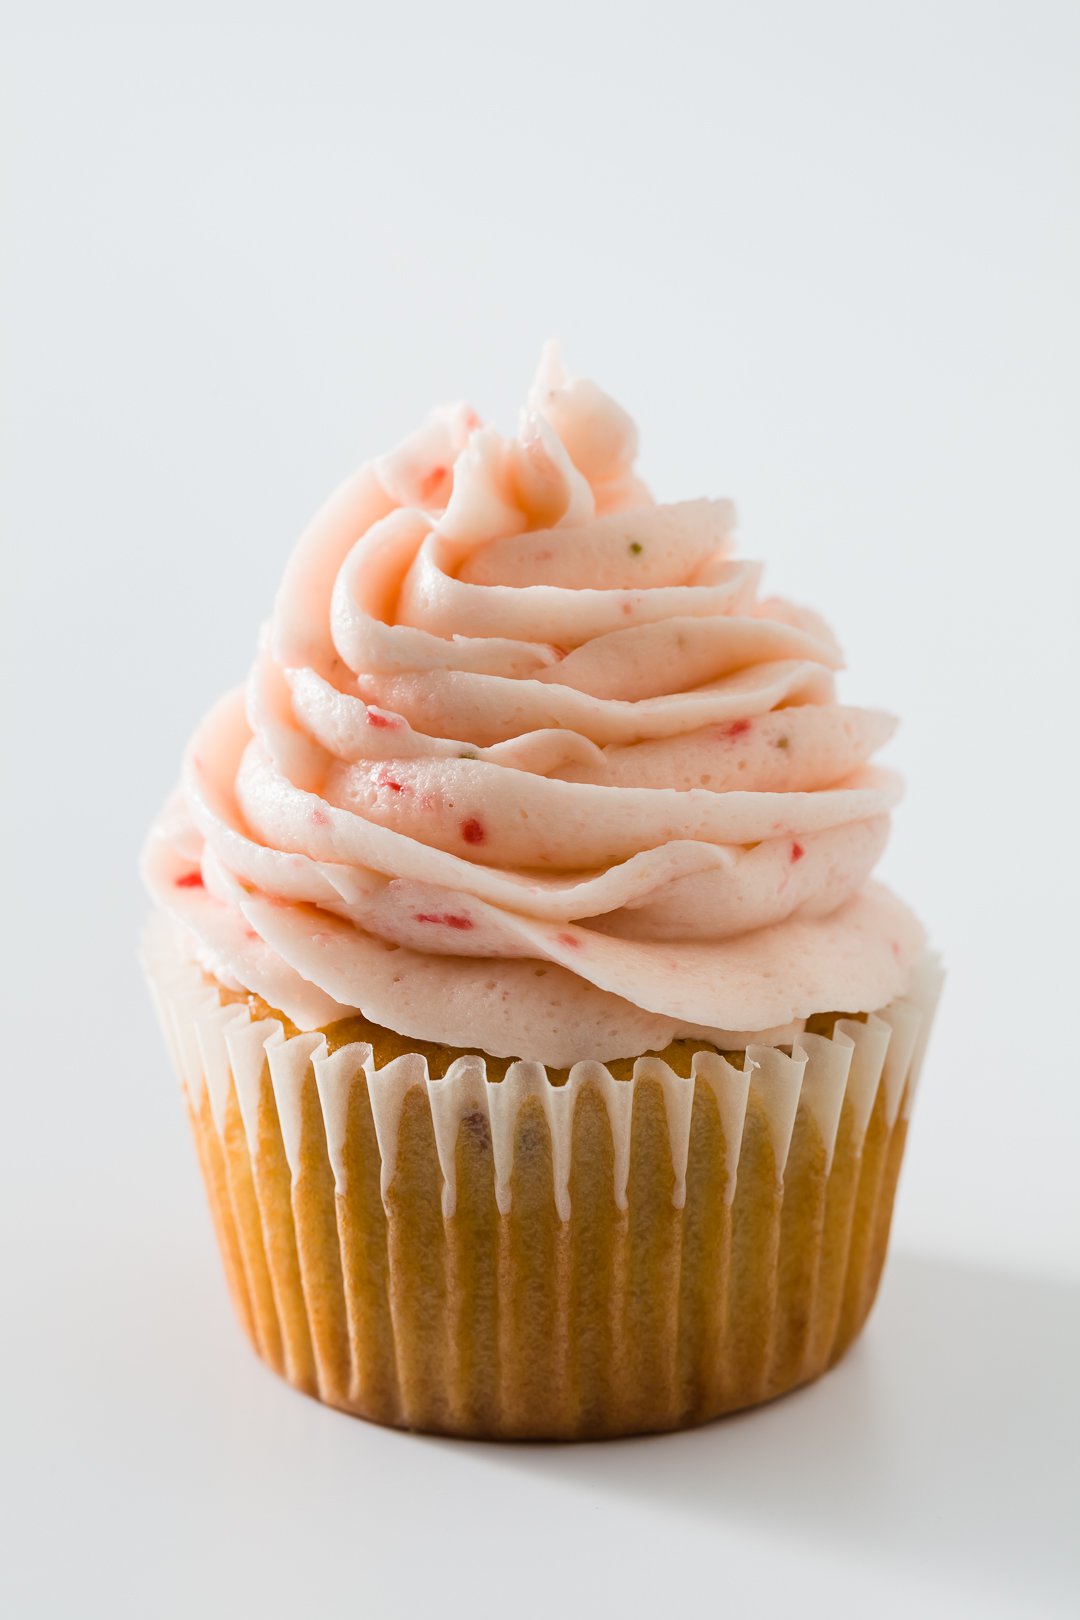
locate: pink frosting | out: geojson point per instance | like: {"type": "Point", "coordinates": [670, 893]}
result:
{"type": "Point", "coordinates": [525, 763]}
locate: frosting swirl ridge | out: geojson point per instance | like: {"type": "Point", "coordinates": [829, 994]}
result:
{"type": "Point", "coordinates": [525, 762]}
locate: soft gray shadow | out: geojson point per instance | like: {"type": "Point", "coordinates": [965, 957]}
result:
{"type": "Point", "coordinates": [944, 1448]}
{"type": "Point", "coordinates": [947, 1440]}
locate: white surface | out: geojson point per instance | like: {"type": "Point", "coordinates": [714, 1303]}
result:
{"type": "Point", "coordinates": [827, 256]}
{"type": "Point", "coordinates": [161, 1471]}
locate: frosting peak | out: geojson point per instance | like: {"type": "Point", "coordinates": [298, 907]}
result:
{"type": "Point", "coordinates": [525, 763]}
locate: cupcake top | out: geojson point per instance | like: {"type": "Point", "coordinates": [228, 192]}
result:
{"type": "Point", "coordinates": [526, 763]}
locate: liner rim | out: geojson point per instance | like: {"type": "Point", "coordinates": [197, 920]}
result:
{"type": "Point", "coordinates": [215, 1044]}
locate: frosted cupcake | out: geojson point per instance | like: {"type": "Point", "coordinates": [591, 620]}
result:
{"type": "Point", "coordinates": [548, 1047]}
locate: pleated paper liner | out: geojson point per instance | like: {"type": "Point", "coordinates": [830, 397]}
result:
{"type": "Point", "coordinates": [574, 1256]}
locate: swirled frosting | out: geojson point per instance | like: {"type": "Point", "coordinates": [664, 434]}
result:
{"type": "Point", "coordinates": [526, 763]}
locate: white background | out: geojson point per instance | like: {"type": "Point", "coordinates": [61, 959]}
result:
{"type": "Point", "coordinates": [828, 255]}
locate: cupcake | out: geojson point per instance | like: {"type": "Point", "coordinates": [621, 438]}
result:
{"type": "Point", "coordinates": [547, 1045]}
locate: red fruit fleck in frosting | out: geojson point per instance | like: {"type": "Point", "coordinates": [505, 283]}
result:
{"type": "Point", "coordinates": [431, 481]}
{"type": "Point", "coordinates": [448, 919]}
{"type": "Point", "coordinates": [797, 852]}
{"type": "Point", "coordinates": [473, 831]}
{"type": "Point", "coordinates": [385, 722]}
{"type": "Point", "coordinates": [571, 941]}
{"type": "Point", "coordinates": [190, 880]}
{"type": "Point", "coordinates": [737, 728]}
{"type": "Point", "coordinates": [389, 782]}
{"type": "Point", "coordinates": [320, 817]}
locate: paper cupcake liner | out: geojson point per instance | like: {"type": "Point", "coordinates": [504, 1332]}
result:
{"type": "Point", "coordinates": [521, 1258]}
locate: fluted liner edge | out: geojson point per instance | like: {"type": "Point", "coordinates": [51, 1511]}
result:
{"type": "Point", "coordinates": [523, 1259]}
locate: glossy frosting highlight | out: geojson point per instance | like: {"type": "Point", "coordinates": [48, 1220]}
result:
{"type": "Point", "coordinates": [526, 763]}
